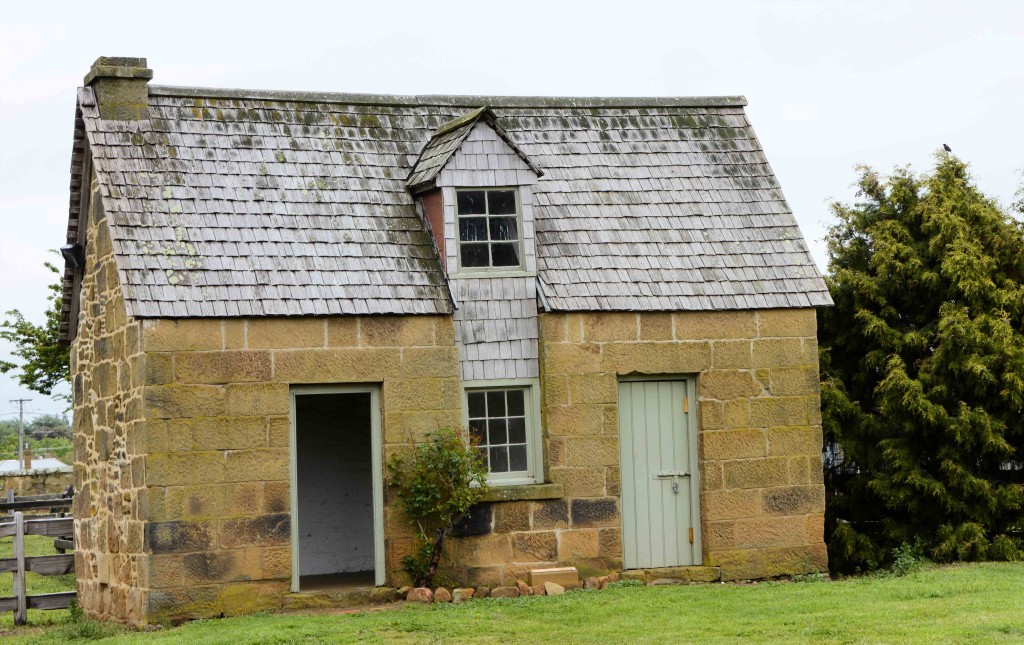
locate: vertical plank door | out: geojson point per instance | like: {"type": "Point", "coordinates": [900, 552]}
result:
{"type": "Point", "coordinates": [658, 449]}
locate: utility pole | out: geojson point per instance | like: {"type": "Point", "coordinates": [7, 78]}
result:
{"type": "Point", "coordinates": [21, 431]}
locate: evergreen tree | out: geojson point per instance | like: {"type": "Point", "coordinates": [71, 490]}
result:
{"type": "Point", "coordinates": [922, 362]}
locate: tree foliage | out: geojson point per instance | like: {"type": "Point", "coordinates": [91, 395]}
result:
{"type": "Point", "coordinates": [922, 362]}
{"type": "Point", "coordinates": [44, 361]}
{"type": "Point", "coordinates": [436, 487]}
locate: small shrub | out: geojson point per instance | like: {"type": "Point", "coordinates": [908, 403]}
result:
{"type": "Point", "coordinates": [79, 627]}
{"type": "Point", "coordinates": [907, 559]}
{"type": "Point", "coordinates": [436, 486]}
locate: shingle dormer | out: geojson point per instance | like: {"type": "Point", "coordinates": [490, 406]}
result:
{"type": "Point", "coordinates": [474, 186]}
{"type": "Point", "coordinates": [472, 163]}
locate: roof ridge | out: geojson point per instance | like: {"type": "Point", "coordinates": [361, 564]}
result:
{"type": "Point", "coordinates": [581, 102]}
{"type": "Point", "coordinates": [469, 117]}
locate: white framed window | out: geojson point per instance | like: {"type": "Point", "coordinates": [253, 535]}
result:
{"type": "Point", "coordinates": [503, 420]}
{"type": "Point", "coordinates": [490, 229]}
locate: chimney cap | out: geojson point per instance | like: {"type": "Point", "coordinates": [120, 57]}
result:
{"type": "Point", "coordinates": [118, 67]}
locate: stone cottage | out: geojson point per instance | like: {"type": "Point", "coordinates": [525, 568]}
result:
{"type": "Point", "coordinates": [267, 294]}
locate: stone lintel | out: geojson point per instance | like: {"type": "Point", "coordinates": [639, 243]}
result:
{"type": "Point", "coordinates": [524, 492]}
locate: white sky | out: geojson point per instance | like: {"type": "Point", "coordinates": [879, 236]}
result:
{"type": "Point", "coordinates": [830, 84]}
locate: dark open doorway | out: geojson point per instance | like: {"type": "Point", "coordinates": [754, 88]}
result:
{"type": "Point", "coordinates": [335, 482]}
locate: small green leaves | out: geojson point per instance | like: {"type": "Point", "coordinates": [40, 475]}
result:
{"type": "Point", "coordinates": [436, 486]}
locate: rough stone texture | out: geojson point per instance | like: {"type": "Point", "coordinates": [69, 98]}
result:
{"type": "Point", "coordinates": [107, 375]}
{"type": "Point", "coordinates": [553, 589]}
{"type": "Point", "coordinates": [442, 595]}
{"type": "Point", "coordinates": [39, 482]}
{"type": "Point", "coordinates": [462, 594]}
{"type": "Point", "coordinates": [505, 592]}
{"type": "Point", "coordinates": [759, 438]}
{"type": "Point", "coordinates": [420, 594]}
{"type": "Point", "coordinates": [561, 575]}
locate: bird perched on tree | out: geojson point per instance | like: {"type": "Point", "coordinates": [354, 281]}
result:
{"type": "Point", "coordinates": [946, 148]}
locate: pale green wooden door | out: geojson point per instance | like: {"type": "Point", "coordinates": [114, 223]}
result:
{"type": "Point", "coordinates": [660, 497]}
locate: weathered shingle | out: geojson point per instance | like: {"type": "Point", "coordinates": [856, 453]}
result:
{"type": "Point", "coordinates": [231, 203]}
{"type": "Point", "coordinates": [448, 138]}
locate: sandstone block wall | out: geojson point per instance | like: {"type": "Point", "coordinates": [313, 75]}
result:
{"type": "Point", "coordinates": [40, 482]}
{"type": "Point", "coordinates": [110, 494]}
{"type": "Point", "coordinates": [216, 401]}
{"type": "Point", "coordinates": [762, 496]}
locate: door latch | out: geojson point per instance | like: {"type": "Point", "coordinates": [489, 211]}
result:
{"type": "Point", "coordinates": [675, 486]}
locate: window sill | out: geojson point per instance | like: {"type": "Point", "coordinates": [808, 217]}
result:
{"type": "Point", "coordinates": [491, 273]}
{"type": "Point", "coordinates": [516, 493]}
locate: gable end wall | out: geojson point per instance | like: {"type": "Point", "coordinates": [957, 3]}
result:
{"type": "Point", "coordinates": [110, 506]}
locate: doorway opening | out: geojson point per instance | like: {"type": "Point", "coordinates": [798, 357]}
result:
{"type": "Point", "coordinates": [337, 502]}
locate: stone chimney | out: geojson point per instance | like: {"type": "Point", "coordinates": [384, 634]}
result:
{"type": "Point", "coordinates": [121, 86]}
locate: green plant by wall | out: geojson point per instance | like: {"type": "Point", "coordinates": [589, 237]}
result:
{"type": "Point", "coordinates": [436, 486]}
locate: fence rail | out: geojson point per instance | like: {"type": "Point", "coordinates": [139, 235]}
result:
{"type": "Point", "coordinates": [51, 501]}
{"type": "Point", "coordinates": [18, 527]}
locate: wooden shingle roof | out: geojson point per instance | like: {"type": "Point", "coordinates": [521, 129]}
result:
{"type": "Point", "coordinates": [249, 203]}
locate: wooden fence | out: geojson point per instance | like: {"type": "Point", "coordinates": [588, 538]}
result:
{"type": "Point", "coordinates": [21, 525]}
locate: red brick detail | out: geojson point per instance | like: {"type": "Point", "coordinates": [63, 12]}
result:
{"type": "Point", "coordinates": [434, 210]}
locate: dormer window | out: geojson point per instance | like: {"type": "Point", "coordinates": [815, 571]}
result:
{"type": "Point", "coordinates": [489, 228]}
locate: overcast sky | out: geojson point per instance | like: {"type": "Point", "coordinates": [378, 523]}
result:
{"type": "Point", "coordinates": [830, 84]}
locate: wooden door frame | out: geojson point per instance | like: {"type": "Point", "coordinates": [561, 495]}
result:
{"type": "Point", "coordinates": [377, 466]}
{"type": "Point", "coordinates": [695, 461]}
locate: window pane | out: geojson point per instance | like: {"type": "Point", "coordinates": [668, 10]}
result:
{"type": "Point", "coordinates": [499, 460]}
{"type": "Point", "coordinates": [474, 255]}
{"type": "Point", "coordinates": [504, 228]}
{"type": "Point", "coordinates": [478, 431]}
{"type": "Point", "coordinates": [515, 403]}
{"type": "Point", "coordinates": [477, 404]}
{"type": "Point", "coordinates": [505, 255]}
{"type": "Point", "coordinates": [496, 403]}
{"type": "Point", "coordinates": [473, 229]}
{"type": "Point", "coordinates": [517, 430]}
{"type": "Point", "coordinates": [517, 458]}
{"type": "Point", "coordinates": [496, 433]}
{"type": "Point", "coordinates": [471, 202]}
{"type": "Point", "coordinates": [502, 202]}
{"type": "Point", "coordinates": [483, 455]}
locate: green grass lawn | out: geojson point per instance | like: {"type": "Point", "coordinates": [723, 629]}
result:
{"type": "Point", "coordinates": [969, 603]}
{"type": "Point", "coordinates": [34, 545]}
